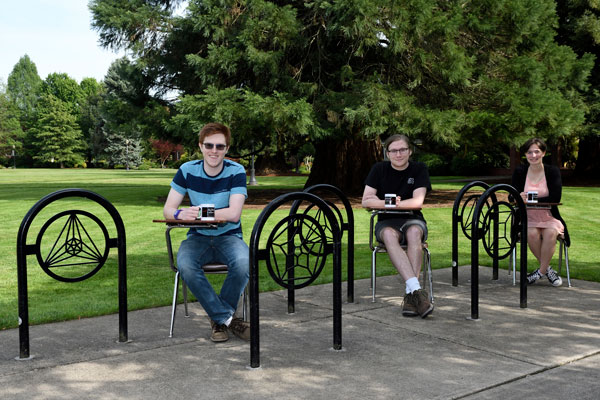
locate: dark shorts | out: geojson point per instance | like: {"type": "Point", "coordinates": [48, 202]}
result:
{"type": "Point", "coordinates": [401, 225]}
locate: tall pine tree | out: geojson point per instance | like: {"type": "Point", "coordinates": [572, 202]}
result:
{"type": "Point", "coordinates": [56, 137]}
{"type": "Point", "coordinates": [476, 76]}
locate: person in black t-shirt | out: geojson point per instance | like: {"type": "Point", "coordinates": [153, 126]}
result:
{"type": "Point", "coordinates": [409, 181]}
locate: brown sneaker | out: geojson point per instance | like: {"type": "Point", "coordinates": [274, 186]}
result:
{"type": "Point", "coordinates": [218, 332]}
{"type": "Point", "coordinates": [424, 306]}
{"type": "Point", "coordinates": [240, 328]}
{"type": "Point", "coordinates": [409, 309]}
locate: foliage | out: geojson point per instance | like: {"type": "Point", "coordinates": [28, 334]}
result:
{"type": "Point", "coordinates": [474, 75]}
{"type": "Point", "coordinates": [580, 30]}
{"type": "Point", "coordinates": [435, 163]}
{"type": "Point", "coordinates": [11, 134]}
{"type": "Point", "coordinates": [23, 88]}
{"type": "Point", "coordinates": [55, 135]}
{"type": "Point", "coordinates": [125, 112]}
{"type": "Point", "coordinates": [64, 88]}
{"type": "Point", "coordinates": [165, 149]}
{"type": "Point", "coordinates": [115, 149]}
{"type": "Point", "coordinates": [89, 111]}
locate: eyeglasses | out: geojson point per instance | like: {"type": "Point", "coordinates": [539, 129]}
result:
{"type": "Point", "coordinates": [534, 152]}
{"type": "Point", "coordinates": [402, 150]}
{"type": "Point", "coordinates": [219, 146]}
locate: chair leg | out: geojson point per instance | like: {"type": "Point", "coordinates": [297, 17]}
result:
{"type": "Point", "coordinates": [174, 306]}
{"type": "Point", "coordinates": [562, 246]}
{"type": "Point", "coordinates": [245, 304]}
{"type": "Point", "coordinates": [567, 264]}
{"type": "Point", "coordinates": [560, 255]}
{"type": "Point", "coordinates": [373, 273]}
{"type": "Point", "coordinates": [513, 261]}
{"type": "Point", "coordinates": [427, 256]}
{"type": "Point", "coordinates": [185, 302]}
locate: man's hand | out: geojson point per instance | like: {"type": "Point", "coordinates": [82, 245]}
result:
{"type": "Point", "coordinates": [189, 213]}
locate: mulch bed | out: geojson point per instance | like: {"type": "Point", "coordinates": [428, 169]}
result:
{"type": "Point", "coordinates": [258, 198]}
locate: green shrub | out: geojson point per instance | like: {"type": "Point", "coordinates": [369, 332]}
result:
{"type": "Point", "coordinates": [435, 163]}
{"type": "Point", "coordinates": [477, 163]}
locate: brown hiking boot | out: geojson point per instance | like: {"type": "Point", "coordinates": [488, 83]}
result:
{"type": "Point", "coordinates": [409, 308]}
{"type": "Point", "coordinates": [240, 328]}
{"type": "Point", "coordinates": [218, 332]}
{"type": "Point", "coordinates": [424, 306]}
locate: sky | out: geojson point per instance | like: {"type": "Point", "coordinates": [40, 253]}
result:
{"type": "Point", "coordinates": [56, 35]}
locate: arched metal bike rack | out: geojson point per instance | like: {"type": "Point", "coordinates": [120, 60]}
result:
{"type": "Point", "coordinates": [298, 237]}
{"type": "Point", "coordinates": [347, 226]}
{"type": "Point", "coordinates": [477, 233]}
{"type": "Point", "coordinates": [73, 242]}
{"type": "Point", "coordinates": [458, 217]}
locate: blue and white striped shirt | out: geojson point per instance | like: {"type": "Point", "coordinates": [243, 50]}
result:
{"type": "Point", "coordinates": [202, 188]}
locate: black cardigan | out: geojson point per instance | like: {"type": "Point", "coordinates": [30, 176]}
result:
{"type": "Point", "coordinates": [554, 183]}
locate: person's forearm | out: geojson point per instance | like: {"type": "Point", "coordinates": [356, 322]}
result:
{"type": "Point", "coordinates": [189, 213]}
{"type": "Point", "coordinates": [372, 202]}
{"type": "Point", "coordinates": [410, 203]}
{"type": "Point", "coordinates": [229, 214]}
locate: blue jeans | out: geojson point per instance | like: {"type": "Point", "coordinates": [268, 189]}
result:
{"type": "Point", "coordinates": [198, 250]}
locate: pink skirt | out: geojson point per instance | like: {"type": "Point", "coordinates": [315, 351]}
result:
{"type": "Point", "coordinates": [543, 219]}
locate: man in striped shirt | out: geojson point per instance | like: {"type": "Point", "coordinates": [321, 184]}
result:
{"type": "Point", "coordinates": [213, 180]}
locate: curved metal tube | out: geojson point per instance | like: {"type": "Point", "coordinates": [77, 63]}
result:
{"type": "Point", "coordinates": [475, 236]}
{"type": "Point", "coordinates": [257, 254]}
{"type": "Point", "coordinates": [23, 250]}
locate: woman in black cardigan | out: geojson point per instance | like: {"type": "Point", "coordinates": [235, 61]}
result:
{"type": "Point", "coordinates": [543, 225]}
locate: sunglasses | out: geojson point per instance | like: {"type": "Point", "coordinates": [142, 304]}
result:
{"type": "Point", "coordinates": [209, 146]}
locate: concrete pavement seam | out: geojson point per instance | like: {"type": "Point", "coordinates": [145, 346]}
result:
{"type": "Point", "coordinates": [525, 376]}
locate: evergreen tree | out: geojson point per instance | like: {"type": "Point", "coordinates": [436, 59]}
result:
{"type": "Point", "coordinates": [11, 134]}
{"type": "Point", "coordinates": [115, 149]}
{"type": "Point", "coordinates": [56, 137]}
{"type": "Point", "coordinates": [580, 29]}
{"type": "Point", "coordinates": [473, 75]}
{"type": "Point", "coordinates": [23, 89]}
{"type": "Point", "coordinates": [127, 113]}
{"type": "Point", "coordinates": [89, 112]}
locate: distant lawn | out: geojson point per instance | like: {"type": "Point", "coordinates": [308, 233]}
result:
{"type": "Point", "coordinates": [138, 195]}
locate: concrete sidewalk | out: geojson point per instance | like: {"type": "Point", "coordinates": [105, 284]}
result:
{"type": "Point", "coordinates": [550, 350]}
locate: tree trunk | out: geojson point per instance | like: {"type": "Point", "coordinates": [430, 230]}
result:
{"type": "Point", "coordinates": [344, 164]}
{"type": "Point", "coordinates": [588, 162]}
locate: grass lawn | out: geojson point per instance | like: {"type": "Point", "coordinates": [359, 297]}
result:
{"type": "Point", "coordinates": [138, 197]}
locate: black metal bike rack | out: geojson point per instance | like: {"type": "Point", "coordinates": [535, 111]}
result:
{"type": "Point", "coordinates": [477, 233]}
{"type": "Point", "coordinates": [347, 226]}
{"type": "Point", "coordinates": [298, 237]}
{"type": "Point", "coordinates": [459, 218]}
{"type": "Point", "coordinates": [76, 243]}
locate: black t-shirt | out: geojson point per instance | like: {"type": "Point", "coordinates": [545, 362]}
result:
{"type": "Point", "coordinates": [386, 179]}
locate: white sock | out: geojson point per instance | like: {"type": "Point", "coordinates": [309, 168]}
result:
{"type": "Point", "coordinates": [228, 321]}
{"type": "Point", "coordinates": [412, 284]}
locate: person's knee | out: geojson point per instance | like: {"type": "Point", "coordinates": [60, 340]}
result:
{"type": "Point", "coordinates": [239, 261]}
{"type": "Point", "coordinates": [550, 235]}
{"type": "Point", "coordinates": [242, 264]}
{"type": "Point", "coordinates": [389, 235]}
{"type": "Point", "coordinates": [185, 261]}
{"type": "Point", "coordinates": [532, 235]}
{"type": "Point", "coordinates": [414, 235]}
